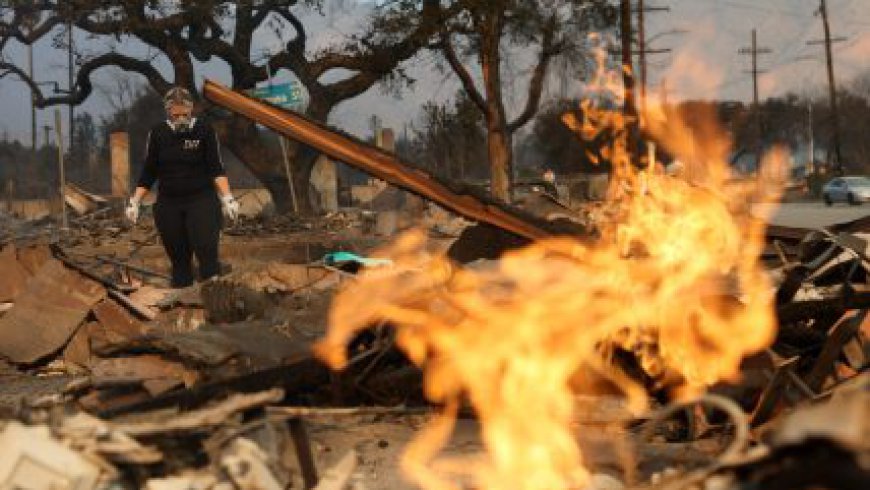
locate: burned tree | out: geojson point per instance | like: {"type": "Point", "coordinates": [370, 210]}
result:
{"type": "Point", "coordinates": [182, 33]}
{"type": "Point", "coordinates": [487, 37]}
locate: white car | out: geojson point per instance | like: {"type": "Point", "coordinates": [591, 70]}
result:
{"type": "Point", "coordinates": [850, 189]}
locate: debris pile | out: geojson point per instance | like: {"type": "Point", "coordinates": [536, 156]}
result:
{"type": "Point", "coordinates": [109, 379]}
{"type": "Point", "coordinates": [233, 443]}
{"type": "Point", "coordinates": [134, 344]}
{"type": "Point", "coordinates": [122, 381]}
{"type": "Point", "coordinates": [266, 225]}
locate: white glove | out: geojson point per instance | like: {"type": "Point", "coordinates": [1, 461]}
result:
{"type": "Point", "coordinates": [132, 210]}
{"type": "Point", "coordinates": [231, 207]}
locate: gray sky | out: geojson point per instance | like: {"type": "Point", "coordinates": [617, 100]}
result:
{"type": "Point", "coordinates": [705, 62]}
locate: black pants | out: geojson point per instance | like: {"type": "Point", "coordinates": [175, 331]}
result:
{"type": "Point", "coordinates": [190, 226]}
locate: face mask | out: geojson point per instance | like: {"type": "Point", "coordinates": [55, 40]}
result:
{"type": "Point", "coordinates": [181, 124]}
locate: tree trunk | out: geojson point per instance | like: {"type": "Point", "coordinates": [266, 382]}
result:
{"type": "Point", "coordinates": [303, 165]}
{"type": "Point", "coordinates": [264, 160]}
{"type": "Point", "coordinates": [498, 136]}
{"type": "Point", "coordinates": [500, 158]}
{"type": "Point", "coordinates": [263, 157]}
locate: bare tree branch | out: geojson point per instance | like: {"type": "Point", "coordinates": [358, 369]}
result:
{"type": "Point", "coordinates": [539, 75]}
{"type": "Point", "coordinates": [84, 85]}
{"type": "Point", "coordinates": [464, 76]}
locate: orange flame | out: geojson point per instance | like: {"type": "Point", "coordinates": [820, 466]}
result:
{"type": "Point", "coordinates": [663, 282]}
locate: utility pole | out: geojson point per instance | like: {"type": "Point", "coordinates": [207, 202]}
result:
{"type": "Point", "coordinates": [627, 58]}
{"type": "Point", "coordinates": [811, 137]}
{"type": "Point", "coordinates": [47, 129]}
{"type": "Point", "coordinates": [61, 167]}
{"type": "Point", "coordinates": [642, 50]}
{"type": "Point", "coordinates": [630, 108]}
{"type": "Point", "coordinates": [33, 129]}
{"type": "Point", "coordinates": [832, 86]}
{"type": "Point", "coordinates": [754, 51]}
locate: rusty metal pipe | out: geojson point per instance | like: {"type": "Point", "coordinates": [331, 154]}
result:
{"type": "Point", "coordinates": [371, 160]}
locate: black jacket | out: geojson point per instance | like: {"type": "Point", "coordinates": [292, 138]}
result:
{"type": "Point", "coordinates": [184, 163]}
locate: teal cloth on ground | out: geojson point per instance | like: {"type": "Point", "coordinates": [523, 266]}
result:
{"type": "Point", "coordinates": [335, 258]}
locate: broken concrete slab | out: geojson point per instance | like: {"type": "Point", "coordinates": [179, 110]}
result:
{"type": "Point", "coordinates": [337, 477]}
{"type": "Point", "coordinates": [30, 458]}
{"type": "Point", "coordinates": [247, 465]}
{"type": "Point", "coordinates": [47, 313]}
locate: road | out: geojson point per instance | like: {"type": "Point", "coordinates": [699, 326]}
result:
{"type": "Point", "coordinates": [813, 214]}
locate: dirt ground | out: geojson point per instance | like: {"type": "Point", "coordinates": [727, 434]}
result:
{"type": "Point", "coordinates": [379, 442]}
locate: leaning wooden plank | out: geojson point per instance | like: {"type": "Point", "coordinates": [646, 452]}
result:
{"type": "Point", "coordinates": [388, 167]}
{"type": "Point", "coordinates": [47, 313]}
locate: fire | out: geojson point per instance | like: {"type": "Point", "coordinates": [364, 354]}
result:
{"type": "Point", "coordinates": [663, 282]}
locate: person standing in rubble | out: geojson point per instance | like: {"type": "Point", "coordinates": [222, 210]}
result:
{"type": "Point", "coordinates": [549, 181]}
{"type": "Point", "coordinates": [183, 158]}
